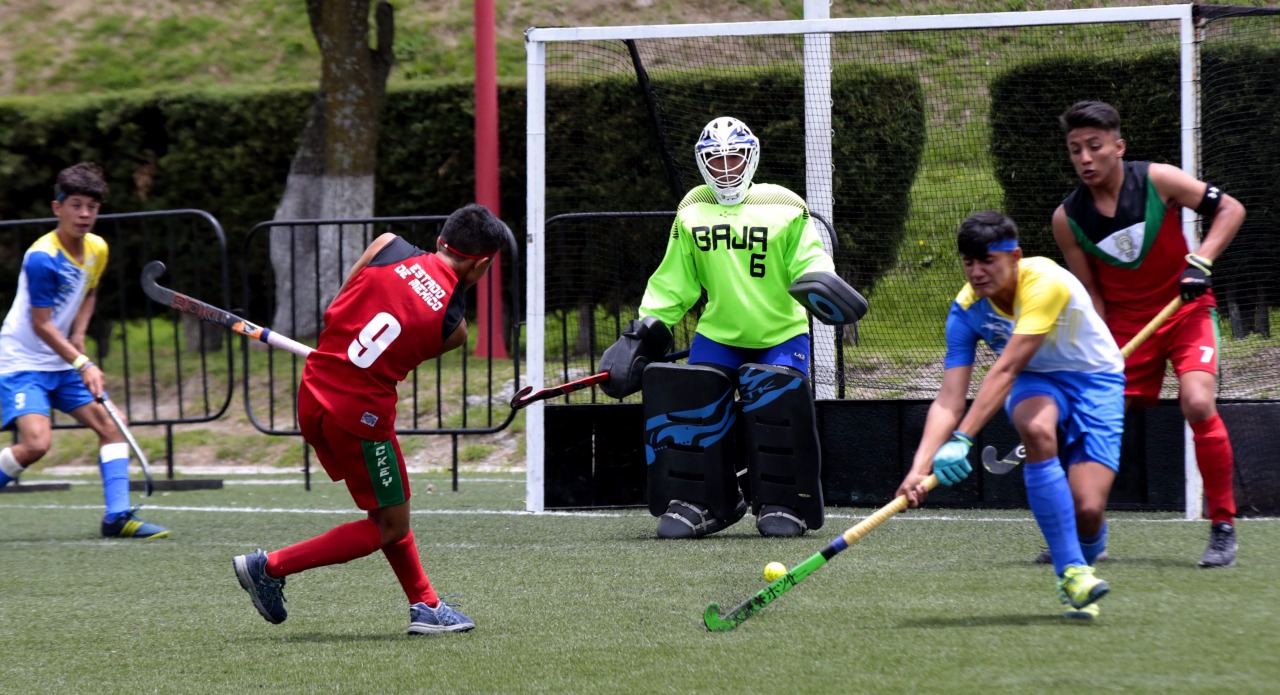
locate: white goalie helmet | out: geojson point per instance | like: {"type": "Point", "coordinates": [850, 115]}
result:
{"type": "Point", "coordinates": [719, 146]}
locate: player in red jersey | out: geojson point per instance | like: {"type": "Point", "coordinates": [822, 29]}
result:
{"type": "Point", "coordinates": [398, 307]}
{"type": "Point", "coordinates": [1121, 234]}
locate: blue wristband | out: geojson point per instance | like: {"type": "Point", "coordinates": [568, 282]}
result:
{"type": "Point", "coordinates": [962, 437]}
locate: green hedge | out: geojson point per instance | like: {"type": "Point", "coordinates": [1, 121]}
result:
{"type": "Point", "coordinates": [228, 152]}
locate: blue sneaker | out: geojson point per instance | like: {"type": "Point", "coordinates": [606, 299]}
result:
{"type": "Point", "coordinates": [266, 591]}
{"type": "Point", "coordinates": [128, 525]}
{"type": "Point", "coordinates": [425, 620]}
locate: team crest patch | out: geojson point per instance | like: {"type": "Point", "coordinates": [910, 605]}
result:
{"type": "Point", "coordinates": [369, 419]}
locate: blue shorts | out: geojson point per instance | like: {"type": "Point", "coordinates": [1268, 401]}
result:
{"type": "Point", "coordinates": [792, 353]}
{"type": "Point", "coordinates": [23, 393]}
{"type": "Point", "coordinates": [1090, 411]}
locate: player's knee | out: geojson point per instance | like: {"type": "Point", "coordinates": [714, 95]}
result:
{"type": "Point", "coordinates": [393, 522]}
{"type": "Point", "coordinates": [1089, 513]}
{"type": "Point", "coordinates": [1197, 406]}
{"type": "Point", "coordinates": [393, 530]}
{"type": "Point", "coordinates": [1039, 435]}
{"type": "Point", "coordinates": [30, 451]}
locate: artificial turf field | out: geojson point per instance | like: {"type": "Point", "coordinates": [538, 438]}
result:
{"type": "Point", "coordinates": [932, 601]}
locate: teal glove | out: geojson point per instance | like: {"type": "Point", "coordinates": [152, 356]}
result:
{"type": "Point", "coordinates": [951, 463]}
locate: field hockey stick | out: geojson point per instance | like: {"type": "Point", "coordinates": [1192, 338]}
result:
{"type": "Point", "coordinates": [212, 314]}
{"type": "Point", "coordinates": [527, 395]}
{"type": "Point", "coordinates": [1018, 454]}
{"type": "Point", "coordinates": [148, 486]}
{"type": "Point", "coordinates": [716, 622]}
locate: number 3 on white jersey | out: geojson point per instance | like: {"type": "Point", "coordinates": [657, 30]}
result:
{"type": "Point", "coordinates": [374, 338]}
{"type": "Point", "coordinates": [1207, 357]}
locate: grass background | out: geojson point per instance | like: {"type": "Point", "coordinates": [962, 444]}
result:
{"type": "Point", "coordinates": [932, 601]}
{"type": "Point", "coordinates": [81, 46]}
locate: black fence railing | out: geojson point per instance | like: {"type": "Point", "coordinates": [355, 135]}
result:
{"type": "Point", "coordinates": [161, 368]}
{"type": "Point", "coordinates": [293, 268]}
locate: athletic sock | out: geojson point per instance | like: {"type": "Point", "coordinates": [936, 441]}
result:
{"type": "Point", "coordinates": [1093, 546]}
{"type": "Point", "coordinates": [337, 545]}
{"type": "Point", "coordinates": [113, 464]}
{"type": "Point", "coordinates": [404, 559]}
{"type": "Point", "coordinates": [1216, 461]}
{"type": "Point", "coordinates": [10, 469]}
{"type": "Point", "coordinates": [1049, 495]}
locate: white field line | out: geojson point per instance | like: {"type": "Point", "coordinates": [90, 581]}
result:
{"type": "Point", "coordinates": [583, 514]}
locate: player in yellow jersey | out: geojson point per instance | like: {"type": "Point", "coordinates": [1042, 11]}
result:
{"type": "Point", "coordinates": [42, 360]}
{"type": "Point", "coordinates": [1059, 374]}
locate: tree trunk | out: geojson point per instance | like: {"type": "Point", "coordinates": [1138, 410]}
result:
{"type": "Point", "coordinates": [331, 176]}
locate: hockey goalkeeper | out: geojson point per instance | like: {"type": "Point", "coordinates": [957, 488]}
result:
{"type": "Point", "coordinates": [754, 249]}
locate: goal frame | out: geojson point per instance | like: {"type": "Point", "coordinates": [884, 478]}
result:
{"type": "Point", "coordinates": [818, 110]}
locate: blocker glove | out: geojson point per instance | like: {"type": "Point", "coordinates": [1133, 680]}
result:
{"type": "Point", "coordinates": [1196, 278]}
{"type": "Point", "coordinates": [642, 342]}
{"type": "Point", "coordinates": [951, 463]}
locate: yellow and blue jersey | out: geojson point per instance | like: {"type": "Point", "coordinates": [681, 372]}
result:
{"type": "Point", "coordinates": [50, 278]}
{"type": "Point", "coordinates": [1049, 301]}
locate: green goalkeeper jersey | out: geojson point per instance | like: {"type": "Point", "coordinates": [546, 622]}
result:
{"type": "Point", "coordinates": [746, 256]}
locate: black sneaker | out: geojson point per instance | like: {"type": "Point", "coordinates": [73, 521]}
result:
{"type": "Point", "coordinates": [1046, 558]}
{"type": "Point", "coordinates": [692, 520]}
{"type": "Point", "coordinates": [1222, 546]}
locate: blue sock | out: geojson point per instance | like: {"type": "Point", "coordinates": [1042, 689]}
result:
{"type": "Point", "coordinates": [5, 479]}
{"type": "Point", "coordinates": [114, 465]}
{"type": "Point", "coordinates": [1050, 498]}
{"type": "Point", "coordinates": [1093, 546]}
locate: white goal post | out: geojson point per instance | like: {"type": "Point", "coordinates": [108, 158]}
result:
{"type": "Point", "coordinates": [818, 110]}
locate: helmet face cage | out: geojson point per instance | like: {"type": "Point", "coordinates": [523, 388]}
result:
{"type": "Point", "coordinates": [722, 138]}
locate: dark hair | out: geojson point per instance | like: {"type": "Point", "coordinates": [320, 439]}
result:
{"type": "Point", "coordinates": [1090, 114]}
{"type": "Point", "coordinates": [474, 231]}
{"type": "Point", "coordinates": [84, 178]}
{"type": "Point", "coordinates": [981, 229]}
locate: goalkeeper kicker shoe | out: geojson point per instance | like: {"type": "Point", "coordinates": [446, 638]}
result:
{"type": "Point", "coordinates": [1080, 586]}
{"type": "Point", "coordinates": [1222, 546]}
{"type": "Point", "coordinates": [692, 520]}
{"type": "Point", "coordinates": [128, 525]}
{"type": "Point", "coordinates": [777, 521]}
{"type": "Point", "coordinates": [425, 620]}
{"type": "Point", "coordinates": [266, 591]}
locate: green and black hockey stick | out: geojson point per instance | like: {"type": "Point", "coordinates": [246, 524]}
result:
{"type": "Point", "coordinates": [716, 622]}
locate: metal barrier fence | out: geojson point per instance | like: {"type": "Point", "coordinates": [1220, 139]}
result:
{"type": "Point", "coordinates": [162, 369]}
{"type": "Point", "coordinates": [452, 395]}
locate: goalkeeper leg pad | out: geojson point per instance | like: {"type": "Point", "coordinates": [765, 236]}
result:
{"type": "Point", "coordinates": [689, 441]}
{"type": "Point", "coordinates": [781, 437]}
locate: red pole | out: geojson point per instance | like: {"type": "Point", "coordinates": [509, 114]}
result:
{"type": "Point", "coordinates": [490, 341]}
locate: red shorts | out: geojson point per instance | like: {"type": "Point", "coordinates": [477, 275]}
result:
{"type": "Point", "coordinates": [374, 471]}
{"type": "Point", "coordinates": [1188, 339]}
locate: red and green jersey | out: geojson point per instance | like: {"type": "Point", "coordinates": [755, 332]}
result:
{"type": "Point", "coordinates": [745, 256]}
{"type": "Point", "coordinates": [1138, 254]}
